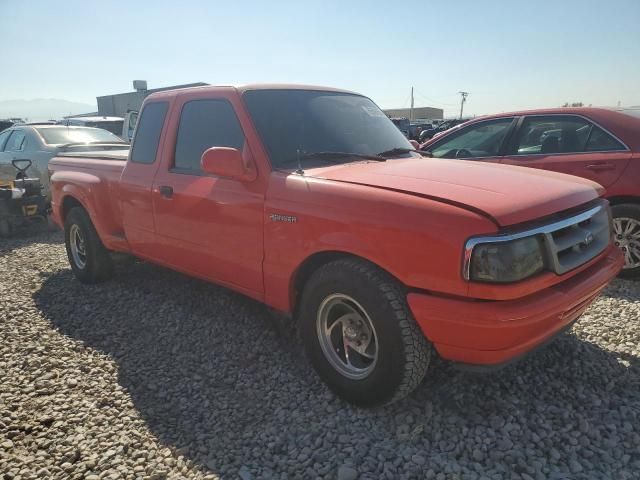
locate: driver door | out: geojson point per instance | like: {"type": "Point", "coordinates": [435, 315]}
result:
{"type": "Point", "coordinates": [485, 141]}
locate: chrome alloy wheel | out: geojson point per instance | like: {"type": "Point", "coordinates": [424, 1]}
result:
{"type": "Point", "coordinates": [77, 244]}
{"type": "Point", "coordinates": [626, 232]}
{"type": "Point", "coordinates": [347, 336]}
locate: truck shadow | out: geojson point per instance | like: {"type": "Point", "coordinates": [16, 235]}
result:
{"type": "Point", "coordinates": [36, 232]}
{"type": "Point", "coordinates": [219, 379]}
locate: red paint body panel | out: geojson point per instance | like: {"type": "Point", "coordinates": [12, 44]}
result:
{"type": "Point", "coordinates": [502, 193]}
{"type": "Point", "coordinates": [494, 332]}
{"type": "Point", "coordinates": [409, 216]}
{"type": "Point", "coordinates": [96, 186]}
{"type": "Point", "coordinates": [398, 232]}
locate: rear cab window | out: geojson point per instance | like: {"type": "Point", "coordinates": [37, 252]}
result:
{"type": "Point", "coordinates": [204, 124]}
{"type": "Point", "coordinates": [147, 137]}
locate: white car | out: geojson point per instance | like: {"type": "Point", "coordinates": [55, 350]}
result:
{"type": "Point", "coordinates": [40, 143]}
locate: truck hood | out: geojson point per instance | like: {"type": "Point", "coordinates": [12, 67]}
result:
{"type": "Point", "coordinates": [506, 194]}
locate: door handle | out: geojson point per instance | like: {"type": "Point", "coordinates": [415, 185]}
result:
{"type": "Point", "coordinates": [166, 191]}
{"type": "Point", "coordinates": [601, 167]}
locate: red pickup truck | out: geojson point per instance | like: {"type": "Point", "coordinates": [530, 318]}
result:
{"type": "Point", "coordinates": [310, 200]}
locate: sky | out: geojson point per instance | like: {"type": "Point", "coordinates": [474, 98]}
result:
{"type": "Point", "coordinates": [508, 55]}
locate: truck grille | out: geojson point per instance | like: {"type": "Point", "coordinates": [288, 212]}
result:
{"type": "Point", "coordinates": [578, 239]}
{"type": "Point", "coordinates": [567, 243]}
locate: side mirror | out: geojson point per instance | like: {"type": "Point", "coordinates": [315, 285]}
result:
{"type": "Point", "coordinates": [228, 163]}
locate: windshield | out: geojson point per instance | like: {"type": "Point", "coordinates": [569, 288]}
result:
{"type": "Point", "coordinates": [63, 135]}
{"type": "Point", "coordinates": [289, 121]}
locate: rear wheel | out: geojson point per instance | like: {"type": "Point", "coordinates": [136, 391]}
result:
{"type": "Point", "coordinates": [88, 257]}
{"type": "Point", "coordinates": [360, 335]}
{"type": "Point", "coordinates": [626, 231]}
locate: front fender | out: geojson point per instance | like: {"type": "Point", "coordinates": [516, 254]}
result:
{"type": "Point", "coordinates": [418, 241]}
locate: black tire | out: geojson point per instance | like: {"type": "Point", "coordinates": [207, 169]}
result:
{"type": "Point", "coordinates": [98, 266]}
{"type": "Point", "coordinates": [632, 211]}
{"type": "Point", "coordinates": [403, 351]}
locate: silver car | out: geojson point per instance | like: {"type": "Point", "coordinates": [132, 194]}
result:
{"type": "Point", "coordinates": [40, 143]}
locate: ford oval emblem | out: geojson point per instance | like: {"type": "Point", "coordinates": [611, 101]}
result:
{"type": "Point", "coordinates": [588, 239]}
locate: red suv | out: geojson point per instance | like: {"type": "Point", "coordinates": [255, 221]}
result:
{"type": "Point", "coordinates": [596, 143]}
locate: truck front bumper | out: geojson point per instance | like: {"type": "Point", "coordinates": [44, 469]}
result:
{"type": "Point", "coordinates": [492, 333]}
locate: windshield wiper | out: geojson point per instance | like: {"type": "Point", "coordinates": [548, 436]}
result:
{"type": "Point", "coordinates": [401, 150]}
{"type": "Point", "coordinates": [329, 157]}
{"type": "Point", "coordinates": [377, 158]}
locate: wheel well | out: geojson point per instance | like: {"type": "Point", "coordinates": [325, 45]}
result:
{"type": "Point", "coordinates": [623, 199]}
{"type": "Point", "coordinates": [67, 204]}
{"type": "Point", "coordinates": [313, 263]}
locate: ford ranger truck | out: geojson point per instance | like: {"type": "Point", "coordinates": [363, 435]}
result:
{"type": "Point", "coordinates": [311, 201]}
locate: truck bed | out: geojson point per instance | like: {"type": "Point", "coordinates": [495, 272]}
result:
{"type": "Point", "coordinates": [97, 172]}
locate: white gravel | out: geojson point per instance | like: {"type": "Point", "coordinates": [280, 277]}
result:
{"type": "Point", "coordinates": [153, 375]}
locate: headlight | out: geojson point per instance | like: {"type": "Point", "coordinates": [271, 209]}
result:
{"type": "Point", "coordinates": [503, 262]}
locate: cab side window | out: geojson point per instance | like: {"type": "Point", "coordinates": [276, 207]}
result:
{"type": "Point", "coordinates": [205, 124]}
{"type": "Point", "coordinates": [147, 137]}
{"type": "Point", "coordinates": [484, 139]}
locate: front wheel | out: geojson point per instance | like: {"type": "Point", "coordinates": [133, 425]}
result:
{"type": "Point", "coordinates": [626, 231]}
{"type": "Point", "coordinates": [88, 257]}
{"type": "Point", "coordinates": [360, 335]}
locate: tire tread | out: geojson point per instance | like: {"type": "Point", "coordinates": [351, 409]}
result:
{"type": "Point", "coordinates": [417, 350]}
{"type": "Point", "coordinates": [99, 263]}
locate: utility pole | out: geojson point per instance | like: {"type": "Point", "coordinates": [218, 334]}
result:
{"type": "Point", "coordinates": [463, 98]}
{"type": "Point", "coordinates": [411, 110]}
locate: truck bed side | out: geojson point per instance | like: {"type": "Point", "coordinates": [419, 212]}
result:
{"type": "Point", "coordinates": [93, 182]}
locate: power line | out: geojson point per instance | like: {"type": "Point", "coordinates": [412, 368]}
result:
{"type": "Point", "coordinates": [432, 101]}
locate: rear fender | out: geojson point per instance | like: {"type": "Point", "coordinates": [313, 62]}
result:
{"type": "Point", "coordinates": [93, 194]}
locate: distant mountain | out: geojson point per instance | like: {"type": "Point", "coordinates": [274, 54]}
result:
{"type": "Point", "coordinates": [43, 108]}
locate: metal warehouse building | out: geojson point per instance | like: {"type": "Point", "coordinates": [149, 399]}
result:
{"type": "Point", "coordinates": [119, 104]}
{"type": "Point", "coordinates": [429, 113]}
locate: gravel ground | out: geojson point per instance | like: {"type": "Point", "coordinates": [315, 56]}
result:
{"type": "Point", "coordinates": [155, 375]}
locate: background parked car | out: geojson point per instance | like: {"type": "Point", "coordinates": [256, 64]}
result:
{"type": "Point", "coordinates": [123, 127]}
{"type": "Point", "coordinates": [40, 143]}
{"type": "Point", "coordinates": [429, 133]}
{"type": "Point", "coordinates": [416, 127]}
{"type": "Point", "coordinates": [403, 125]}
{"type": "Point", "coordinates": [602, 145]}
{"type": "Point", "coordinates": [411, 128]}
